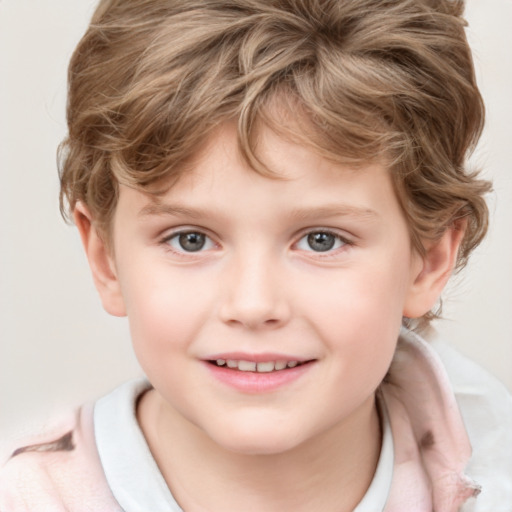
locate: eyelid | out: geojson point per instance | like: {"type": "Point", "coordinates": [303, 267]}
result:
{"type": "Point", "coordinates": [346, 241]}
{"type": "Point", "coordinates": [171, 231]}
{"type": "Point", "coordinates": [340, 233]}
{"type": "Point", "coordinates": [181, 230]}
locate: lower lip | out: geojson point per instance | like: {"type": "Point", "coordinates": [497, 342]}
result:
{"type": "Point", "coordinates": [255, 382]}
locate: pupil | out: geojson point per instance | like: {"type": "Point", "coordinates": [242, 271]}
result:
{"type": "Point", "coordinates": [321, 242]}
{"type": "Point", "coordinates": [192, 241]}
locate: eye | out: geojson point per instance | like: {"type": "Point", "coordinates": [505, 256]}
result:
{"type": "Point", "coordinates": [189, 241]}
{"type": "Point", "coordinates": [321, 241]}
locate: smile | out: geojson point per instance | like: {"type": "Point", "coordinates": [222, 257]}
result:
{"type": "Point", "coordinates": [262, 373]}
{"type": "Point", "coordinates": [252, 366]}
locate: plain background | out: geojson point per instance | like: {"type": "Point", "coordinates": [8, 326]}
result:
{"type": "Point", "coordinates": [57, 346]}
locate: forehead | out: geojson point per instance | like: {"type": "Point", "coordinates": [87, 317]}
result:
{"type": "Point", "coordinates": [303, 184]}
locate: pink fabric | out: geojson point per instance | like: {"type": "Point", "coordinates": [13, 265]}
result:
{"type": "Point", "coordinates": [432, 447]}
{"type": "Point", "coordinates": [431, 450]}
{"type": "Point", "coordinates": [68, 480]}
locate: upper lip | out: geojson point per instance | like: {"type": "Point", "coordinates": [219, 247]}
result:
{"type": "Point", "coordinates": [256, 358]}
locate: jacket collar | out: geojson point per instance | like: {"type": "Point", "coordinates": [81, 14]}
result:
{"type": "Point", "coordinates": [432, 447]}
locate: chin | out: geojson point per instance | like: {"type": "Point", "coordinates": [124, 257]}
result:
{"type": "Point", "coordinates": [256, 439]}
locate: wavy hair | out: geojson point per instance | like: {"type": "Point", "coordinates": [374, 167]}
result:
{"type": "Point", "coordinates": [356, 80]}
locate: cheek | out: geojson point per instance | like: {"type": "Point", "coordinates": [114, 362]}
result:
{"type": "Point", "coordinates": [359, 315]}
{"type": "Point", "coordinates": [357, 299]}
{"type": "Point", "coordinates": [165, 311]}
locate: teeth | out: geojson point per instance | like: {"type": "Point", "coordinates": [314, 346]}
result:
{"type": "Point", "coordinates": [251, 366]}
{"type": "Point", "coordinates": [246, 366]}
{"type": "Point", "coordinates": [265, 367]}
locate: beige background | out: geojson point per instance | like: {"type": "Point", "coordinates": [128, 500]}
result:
{"type": "Point", "coordinates": [57, 346]}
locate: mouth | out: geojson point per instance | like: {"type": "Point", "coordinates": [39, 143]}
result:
{"type": "Point", "coordinates": [256, 367]}
{"type": "Point", "coordinates": [256, 374]}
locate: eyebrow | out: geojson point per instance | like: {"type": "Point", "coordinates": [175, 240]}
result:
{"type": "Point", "coordinates": [334, 210]}
{"type": "Point", "coordinates": [176, 210]}
{"type": "Point", "coordinates": [302, 214]}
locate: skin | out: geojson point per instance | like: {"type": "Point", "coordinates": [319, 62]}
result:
{"type": "Point", "coordinates": [256, 287]}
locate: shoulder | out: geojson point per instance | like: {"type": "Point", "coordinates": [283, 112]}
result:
{"type": "Point", "coordinates": [486, 409]}
{"type": "Point", "coordinates": [59, 471]}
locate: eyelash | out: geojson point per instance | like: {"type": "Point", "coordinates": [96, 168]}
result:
{"type": "Point", "coordinates": [331, 251]}
{"type": "Point", "coordinates": [345, 243]}
{"type": "Point", "coordinates": [166, 241]}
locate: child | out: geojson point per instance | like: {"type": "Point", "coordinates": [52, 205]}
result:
{"type": "Point", "coordinates": [271, 192]}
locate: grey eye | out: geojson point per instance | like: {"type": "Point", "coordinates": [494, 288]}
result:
{"type": "Point", "coordinates": [320, 241]}
{"type": "Point", "coordinates": [190, 241]}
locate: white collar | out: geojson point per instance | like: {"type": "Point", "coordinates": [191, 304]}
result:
{"type": "Point", "coordinates": [131, 472]}
{"type": "Point", "coordinates": [377, 494]}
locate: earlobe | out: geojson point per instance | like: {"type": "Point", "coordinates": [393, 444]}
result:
{"type": "Point", "coordinates": [436, 267]}
{"type": "Point", "coordinates": [101, 262]}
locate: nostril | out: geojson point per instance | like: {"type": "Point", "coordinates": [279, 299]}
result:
{"type": "Point", "coordinates": [254, 309]}
{"type": "Point", "coordinates": [254, 322]}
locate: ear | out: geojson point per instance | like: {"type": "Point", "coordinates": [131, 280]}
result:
{"type": "Point", "coordinates": [100, 261]}
{"type": "Point", "coordinates": [435, 268]}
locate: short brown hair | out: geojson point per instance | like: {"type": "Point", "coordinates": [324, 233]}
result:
{"type": "Point", "coordinates": [370, 80]}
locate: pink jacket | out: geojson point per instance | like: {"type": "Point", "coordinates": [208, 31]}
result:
{"type": "Point", "coordinates": [430, 441]}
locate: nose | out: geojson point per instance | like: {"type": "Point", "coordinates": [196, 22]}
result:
{"type": "Point", "coordinates": [254, 294]}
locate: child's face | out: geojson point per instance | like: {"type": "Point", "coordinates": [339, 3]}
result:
{"type": "Point", "coordinates": [314, 268]}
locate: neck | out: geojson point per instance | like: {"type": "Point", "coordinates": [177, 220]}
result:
{"type": "Point", "coordinates": [330, 472]}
